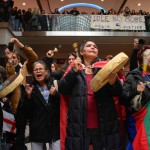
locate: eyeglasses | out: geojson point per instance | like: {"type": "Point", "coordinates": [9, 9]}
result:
{"type": "Point", "coordinates": [39, 69]}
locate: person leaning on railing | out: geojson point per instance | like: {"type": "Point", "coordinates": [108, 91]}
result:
{"type": "Point", "coordinates": [74, 11]}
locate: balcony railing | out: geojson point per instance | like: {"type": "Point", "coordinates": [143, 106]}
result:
{"type": "Point", "coordinates": [82, 23]}
{"type": "Point", "coordinates": [71, 23]}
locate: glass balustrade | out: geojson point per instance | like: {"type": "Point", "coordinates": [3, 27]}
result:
{"type": "Point", "coordinates": [65, 22]}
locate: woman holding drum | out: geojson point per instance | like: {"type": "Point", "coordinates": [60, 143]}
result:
{"type": "Point", "coordinates": [92, 117]}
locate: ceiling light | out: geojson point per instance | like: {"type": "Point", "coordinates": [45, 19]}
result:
{"type": "Point", "coordinates": [139, 4]}
{"type": "Point", "coordinates": [102, 0]}
{"type": "Point", "coordinates": [81, 4]}
{"type": "Point", "coordinates": [62, 0]}
{"type": "Point", "coordinates": [23, 4]}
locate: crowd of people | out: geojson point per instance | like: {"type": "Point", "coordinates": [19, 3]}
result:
{"type": "Point", "coordinates": [36, 20]}
{"type": "Point", "coordinates": [57, 102]}
{"type": "Point", "coordinates": [61, 109]}
{"type": "Point", "coordinates": [5, 8]}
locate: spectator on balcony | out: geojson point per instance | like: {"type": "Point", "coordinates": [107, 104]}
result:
{"type": "Point", "coordinates": [6, 11]}
{"type": "Point", "coordinates": [10, 3]}
{"type": "Point", "coordinates": [147, 13]}
{"type": "Point", "coordinates": [15, 19]}
{"type": "Point", "coordinates": [111, 12]}
{"type": "Point", "coordinates": [121, 12]}
{"type": "Point", "coordinates": [43, 21]}
{"type": "Point", "coordinates": [28, 19]}
{"type": "Point", "coordinates": [144, 13]}
{"type": "Point", "coordinates": [65, 12]}
{"type": "Point", "coordinates": [133, 12]}
{"type": "Point", "coordinates": [2, 8]}
{"type": "Point", "coordinates": [13, 14]}
{"type": "Point", "coordinates": [56, 11]}
{"type": "Point", "coordinates": [74, 11]}
{"type": "Point", "coordinates": [100, 12]}
{"type": "Point", "coordinates": [115, 12]}
{"type": "Point", "coordinates": [35, 20]}
{"type": "Point", "coordinates": [20, 20]}
{"type": "Point", "coordinates": [23, 19]}
{"type": "Point", "coordinates": [140, 12]}
{"type": "Point", "coordinates": [127, 11]}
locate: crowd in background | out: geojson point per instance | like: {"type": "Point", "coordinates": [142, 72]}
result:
{"type": "Point", "coordinates": [33, 19]}
{"type": "Point", "coordinates": [5, 8]}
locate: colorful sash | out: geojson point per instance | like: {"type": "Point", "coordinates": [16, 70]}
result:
{"type": "Point", "coordinates": [138, 125]}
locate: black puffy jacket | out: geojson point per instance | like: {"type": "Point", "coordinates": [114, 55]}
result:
{"type": "Point", "coordinates": [74, 84]}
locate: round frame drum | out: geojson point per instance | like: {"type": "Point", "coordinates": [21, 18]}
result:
{"type": "Point", "coordinates": [10, 84]}
{"type": "Point", "coordinates": [113, 66]}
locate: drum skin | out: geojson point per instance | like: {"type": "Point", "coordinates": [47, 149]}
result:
{"type": "Point", "coordinates": [10, 84]}
{"type": "Point", "coordinates": [113, 66]}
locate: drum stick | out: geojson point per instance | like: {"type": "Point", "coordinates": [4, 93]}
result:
{"type": "Point", "coordinates": [145, 62]}
{"type": "Point", "coordinates": [75, 46]}
{"type": "Point", "coordinates": [55, 50]}
{"type": "Point", "coordinates": [146, 56]}
{"type": "Point", "coordinates": [50, 52]}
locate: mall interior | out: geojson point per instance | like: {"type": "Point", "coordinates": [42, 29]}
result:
{"type": "Point", "coordinates": [49, 24]}
{"type": "Point", "coordinates": [62, 30]}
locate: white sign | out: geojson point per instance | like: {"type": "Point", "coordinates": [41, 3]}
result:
{"type": "Point", "coordinates": [118, 22]}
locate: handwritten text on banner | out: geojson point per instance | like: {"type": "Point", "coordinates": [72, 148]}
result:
{"type": "Point", "coordinates": [119, 22]}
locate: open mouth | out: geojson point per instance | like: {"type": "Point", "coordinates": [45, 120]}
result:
{"type": "Point", "coordinates": [92, 52]}
{"type": "Point", "coordinates": [39, 76]}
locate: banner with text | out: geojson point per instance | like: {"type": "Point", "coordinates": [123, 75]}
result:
{"type": "Point", "coordinates": [118, 22]}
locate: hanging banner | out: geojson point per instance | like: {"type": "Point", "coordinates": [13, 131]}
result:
{"type": "Point", "coordinates": [118, 22]}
